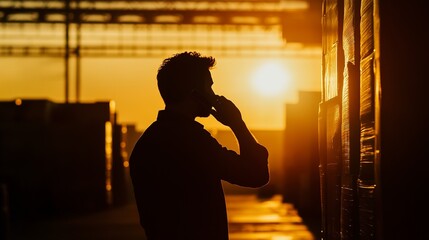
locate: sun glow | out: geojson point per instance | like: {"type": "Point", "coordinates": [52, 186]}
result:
{"type": "Point", "coordinates": [270, 79]}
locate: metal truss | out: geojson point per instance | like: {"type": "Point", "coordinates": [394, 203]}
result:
{"type": "Point", "coordinates": [150, 12]}
{"type": "Point", "coordinates": [156, 51]}
{"type": "Point", "coordinates": [293, 19]}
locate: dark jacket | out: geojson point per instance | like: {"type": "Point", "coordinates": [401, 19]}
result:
{"type": "Point", "coordinates": [176, 169]}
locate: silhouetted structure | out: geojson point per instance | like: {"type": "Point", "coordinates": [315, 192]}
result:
{"type": "Point", "coordinates": [301, 161]}
{"type": "Point", "coordinates": [60, 159]}
{"type": "Point", "coordinates": [373, 120]}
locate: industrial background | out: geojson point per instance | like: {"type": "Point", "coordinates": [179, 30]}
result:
{"type": "Point", "coordinates": [351, 164]}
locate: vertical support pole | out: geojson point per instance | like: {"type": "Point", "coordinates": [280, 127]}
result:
{"type": "Point", "coordinates": [66, 53]}
{"type": "Point", "coordinates": [78, 38]}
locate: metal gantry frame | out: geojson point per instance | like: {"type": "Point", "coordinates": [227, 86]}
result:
{"type": "Point", "coordinates": [295, 22]}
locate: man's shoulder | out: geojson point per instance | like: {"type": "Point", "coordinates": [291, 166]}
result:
{"type": "Point", "coordinates": [163, 130]}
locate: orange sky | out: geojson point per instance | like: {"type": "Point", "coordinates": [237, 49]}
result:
{"type": "Point", "coordinates": [131, 83]}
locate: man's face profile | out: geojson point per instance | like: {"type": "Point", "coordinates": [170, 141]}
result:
{"type": "Point", "coordinates": [206, 95]}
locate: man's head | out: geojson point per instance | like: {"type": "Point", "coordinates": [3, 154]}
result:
{"type": "Point", "coordinates": [186, 75]}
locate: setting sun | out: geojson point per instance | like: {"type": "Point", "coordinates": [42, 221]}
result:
{"type": "Point", "coordinates": [270, 79]}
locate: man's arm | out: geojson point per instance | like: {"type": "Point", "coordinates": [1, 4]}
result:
{"type": "Point", "coordinates": [254, 155]}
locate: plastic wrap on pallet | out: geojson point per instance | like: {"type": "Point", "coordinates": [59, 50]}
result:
{"type": "Point", "coordinates": [350, 91]}
{"type": "Point", "coordinates": [330, 120]}
{"type": "Point", "coordinates": [367, 158]}
{"type": "Point", "coordinates": [330, 25]}
{"type": "Point", "coordinates": [350, 121]}
{"type": "Point", "coordinates": [366, 212]}
{"type": "Point", "coordinates": [332, 49]}
{"type": "Point", "coordinates": [367, 116]}
{"type": "Point", "coordinates": [332, 213]}
{"type": "Point", "coordinates": [330, 88]}
{"type": "Point", "coordinates": [349, 52]}
{"type": "Point", "coordinates": [367, 93]}
{"type": "Point", "coordinates": [322, 164]}
{"type": "Point", "coordinates": [350, 29]}
{"type": "Point", "coordinates": [333, 169]}
{"type": "Point", "coordinates": [333, 134]}
{"type": "Point", "coordinates": [345, 126]}
{"type": "Point", "coordinates": [349, 206]}
{"type": "Point", "coordinates": [367, 27]}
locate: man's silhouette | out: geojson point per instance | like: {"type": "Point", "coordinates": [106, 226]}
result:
{"type": "Point", "coordinates": [177, 166]}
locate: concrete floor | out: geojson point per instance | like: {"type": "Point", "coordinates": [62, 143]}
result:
{"type": "Point", "coordinates": [249, 218]}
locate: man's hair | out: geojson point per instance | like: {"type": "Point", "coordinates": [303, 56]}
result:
{"type": "Point", "coordinates": [180, 74]}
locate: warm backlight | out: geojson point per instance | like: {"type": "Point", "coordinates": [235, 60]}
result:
{"type": "Point", "coordinates": [270, 79]}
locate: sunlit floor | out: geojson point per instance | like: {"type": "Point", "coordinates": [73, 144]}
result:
{"type": "Point", "coordinates": [269, 219]}
{"type": "Point", "coordinates": [249, 219]}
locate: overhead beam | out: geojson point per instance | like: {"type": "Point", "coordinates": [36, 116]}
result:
{"type": "Point", "coordinates": [133, 16]}
{"type": "Point", "coordinates": [300, 19]}
{"type": "Point", "coordinates": [147, 51]}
